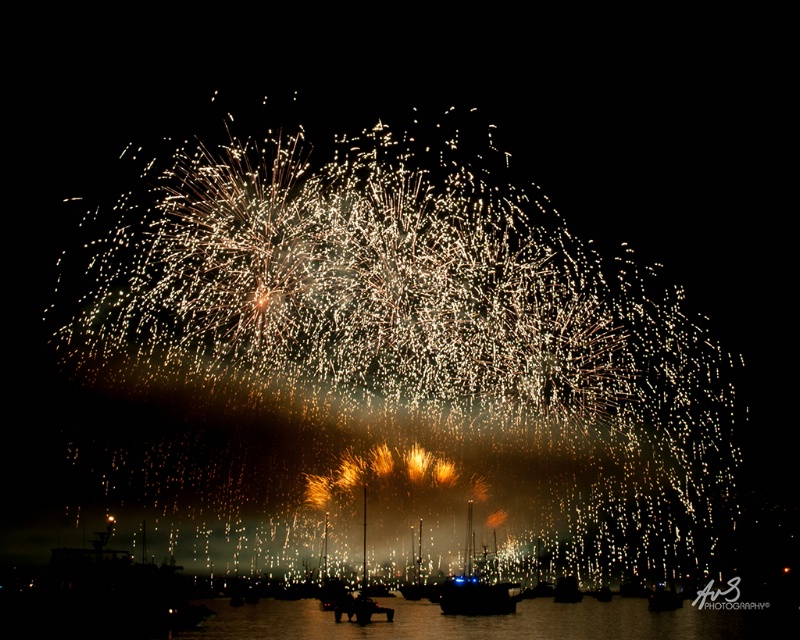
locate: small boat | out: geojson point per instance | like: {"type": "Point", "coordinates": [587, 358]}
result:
{"type": "Point", "coordinates": [334, 593]}
{"type": "Point", "coordinates": [543, 589]}
{"type": "Point", "coordinates": [633, 589]}
{"type": "Point", "coordinates": [567, 590]}
{"type": "Point", "coordinates": [420, 591]}
{"type": "Point", "coordinates": [362, 608]}
{"type": "Point", "coordinates": [434, 592]}
{"type": "Point", "coordinates": [663, 599]}
{"type": "Point", "coordinates": [294, 591]}
{"type": "Point", "coordinates": [237, 601]}
{"type": "Point", "coordinates": [414, 591]}
{"type": "Point", "coordinates": [378, 590]}
{"type": "Point", "coordinates": [604, 594]}
{"type": "Point", "coordinates": [241, 592]}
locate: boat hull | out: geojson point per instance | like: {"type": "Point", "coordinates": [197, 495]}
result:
{"type": "Point", "coordinates": [477, 598]}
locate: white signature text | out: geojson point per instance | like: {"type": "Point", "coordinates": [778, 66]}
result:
{"type": "Point", "coordinates": [708, 590]}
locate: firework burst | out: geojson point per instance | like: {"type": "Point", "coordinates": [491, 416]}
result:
{"type": "Point", "coordinates": [384, 305]}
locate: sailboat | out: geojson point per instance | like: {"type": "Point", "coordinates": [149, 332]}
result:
{"type": "Point", "coordinates": [543, 588]}
{"type": "Point", "coordinates": [363, 607]}
{"type": "Point", "coordinates": [333, 591]}
{"type": "Point", "coordinates": [604, 593]}
{"type": "Point", "coordinates": [416, 590]}
{"type": "Point", "coordinates": [475, 595]}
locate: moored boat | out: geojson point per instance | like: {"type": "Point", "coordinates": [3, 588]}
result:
{"type": "Point", "coordinates": [416, 590]}
{"type": "Point", "coordinates": [362, 607]}
{"type": "Point", "coordinates": [542, 589]}
{"type": "Point", "coordinates": [420, 591]}
{"type": "Point", "coordinates": [663, 599]}
{"type": "Point", "coordinates": [103, 591]}
{"type": "Point", "coordinates": [567, 590]}
{"type": "Point", "coordinates": [604, 594]}
{"type": "Point", "coordinates": [473, 595]}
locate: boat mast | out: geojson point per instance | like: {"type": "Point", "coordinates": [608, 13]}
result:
{"type": "Point", "coordinates": [496, 563]}
{"type": "Point", "coordinates": [364, 585]}
{"type": "Point", "coordinates": [144, 542]}
{"type": "Point", "coordinates": [469, 540]}
{"type": "Point", "coordinates": [412, 553]}
{"type": "Point", "coordinates": [419, 561]}
{"type": "Point", "coordinates": [325, 556]}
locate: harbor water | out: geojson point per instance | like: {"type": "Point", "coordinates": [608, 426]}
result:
{"type": "Point", "coordinates": [535, 619]}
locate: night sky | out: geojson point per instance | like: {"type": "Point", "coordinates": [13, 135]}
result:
{"type": "Point", "coordinates": [680, 152]}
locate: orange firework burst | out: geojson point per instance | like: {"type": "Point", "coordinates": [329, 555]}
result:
{"type": "Point", "coordinates": [497, 519]}
{"type": "Point", "coordinates": [479, 488]}
{"type": "Point", "coordinates": [445, 474]}
{"type": "Point", "coordinates": [318, 491]}
{"type": "Point", "coordinates": [417, 462]}
{"type": "Point", "coordinates": [381, 461]}
{"type": "Point", "coordinates": [350, 471]}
